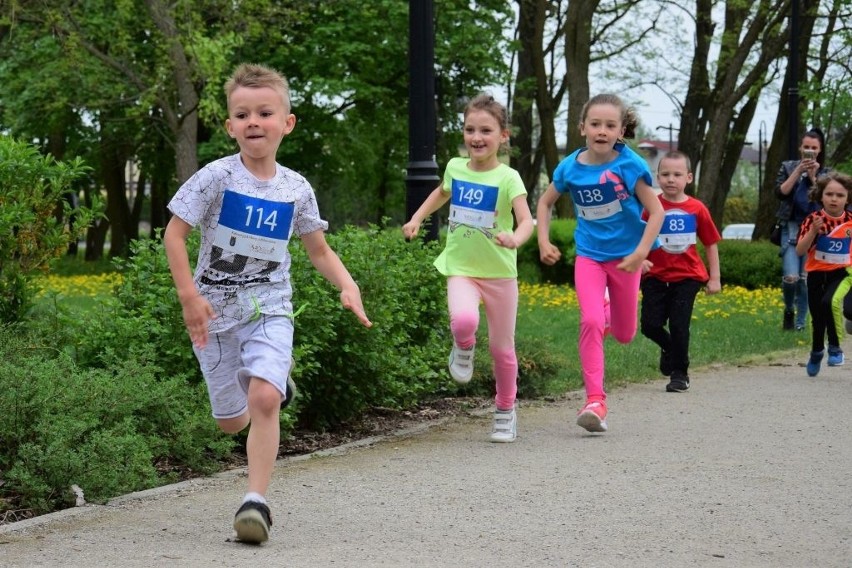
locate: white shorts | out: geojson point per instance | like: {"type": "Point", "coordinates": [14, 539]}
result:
{"type": "Point", "coordinates": [261, 349]}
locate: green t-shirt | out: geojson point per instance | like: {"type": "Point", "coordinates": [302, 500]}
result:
{"type": "Point", "coordinates": [480, 208]}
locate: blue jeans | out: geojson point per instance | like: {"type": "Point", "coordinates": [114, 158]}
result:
{"type": "Point", "coordinates": [793, 277]}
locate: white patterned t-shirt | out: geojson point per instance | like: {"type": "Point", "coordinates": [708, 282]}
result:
{"type": "Point", "coordinates": [243, 265]}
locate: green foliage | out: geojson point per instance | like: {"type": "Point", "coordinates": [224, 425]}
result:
{"type": "Point", "coordinates": [144, 310]}
{"type": "Point", "coordinates": [61, 424]}
{"type": "Point", "coordinates": [32, 209]}
{"type": "Point", "coordinates": [530, 267]}
{"type": "Point", "coordinates": [740, 209]}
{"type": "Point", "coordinates": [343, 368]}
{"type": "Point", "coordinates": [749, 264]}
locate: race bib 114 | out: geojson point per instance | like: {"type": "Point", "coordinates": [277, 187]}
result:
{"type": "Point", "coordinates": [254, 227]}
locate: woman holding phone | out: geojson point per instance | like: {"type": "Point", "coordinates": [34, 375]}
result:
{"type": "Point", "coordinates": [792, 186]}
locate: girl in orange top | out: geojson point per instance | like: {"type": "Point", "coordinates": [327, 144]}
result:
{"type": "Point", "coordinates": [825, 236]}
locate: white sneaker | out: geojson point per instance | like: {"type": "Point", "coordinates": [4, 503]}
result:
{"type": "Point", "coordinates": [505, 426]}
{"type": "Point", "coordinates": [461, 363]}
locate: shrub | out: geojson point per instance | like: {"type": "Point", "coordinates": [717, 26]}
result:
{"type": "Point", "coordinates": [61, 424]}
{"type": "Point", "coordinates": [530, 267]}
{"type": "Point", "coordinates": [750, 264]}
{"type": "Point", "coordinates": [32, 191]}
{"type": "Point", "coordinates": [343, 368]}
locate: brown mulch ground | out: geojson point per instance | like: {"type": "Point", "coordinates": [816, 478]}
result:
{"type": "Point", "coordinates": [377, 422]}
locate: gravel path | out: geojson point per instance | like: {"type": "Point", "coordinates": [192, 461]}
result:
{"type": "Point", "coordinates": [750, 468]}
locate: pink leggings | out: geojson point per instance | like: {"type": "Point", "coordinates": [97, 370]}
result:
{"type": "Point", "coordinates": [591, 281]}
{"type": "Point", "coordinates": [500, 296]}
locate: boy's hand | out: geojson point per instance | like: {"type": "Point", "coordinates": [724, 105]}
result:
{"type": "Point", "coordinates": [647, 265]}
{"type": "Point", "coordinates": [713, 286]}
{"type": "Point", "coordinates": [197, 313]}
{"type": "Point", "coordinates": [351, 300]}
{"type": "Point", "coordinates": [549, 253]}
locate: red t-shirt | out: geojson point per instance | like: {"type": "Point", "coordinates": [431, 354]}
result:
{"type": "Point", "coordinates": [686, 223]}
{"type": "Point", "coordinates": [831, 249]}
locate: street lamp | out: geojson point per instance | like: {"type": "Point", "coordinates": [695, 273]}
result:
{"type": "Point", "coordinates": [761, 140]}
{"type": "Point", "coordinates": [793, 84]}
{"type": "Point", "coordinates": [671, 129]}
{"type": "Point", "coordinates": [422, 175]}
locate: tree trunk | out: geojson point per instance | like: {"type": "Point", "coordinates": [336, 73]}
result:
{"type": "Point", "coordinates": [734, 83]}
{"type": "Point", "coordinates": [182, 117]}
{"type": "Point", "coordinates": [525, 157]}
{"type": "Point", "coordinates": [578, 48]}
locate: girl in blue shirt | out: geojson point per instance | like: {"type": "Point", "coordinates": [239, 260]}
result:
{"type": "Point", "coordinates": [610, 185]}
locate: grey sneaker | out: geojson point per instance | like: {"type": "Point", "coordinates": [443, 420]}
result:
{"type": "Point", "coordinates": [252, 522]}
{"type": "Point", "coordinates": [289, 389]}
{"type": "Point", "coordinates": [505, 426]}
{"type": "Point", "coordinates": [461, 363]}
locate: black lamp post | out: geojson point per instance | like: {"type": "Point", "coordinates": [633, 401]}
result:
{"type": "Point", "coordinates": [671, 129]}
{"type": "Point", "coordinates": [761, 140]}
{"type": "Point", "coordinates": [793, 89]}
{"type": "Point", "coordinates": [422, 175]}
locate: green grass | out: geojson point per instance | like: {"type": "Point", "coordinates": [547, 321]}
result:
{"type": "Point", "coordinates": [734, 327]}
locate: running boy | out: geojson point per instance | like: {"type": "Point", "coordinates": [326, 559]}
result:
{"type": "Point", "coordinates": [237, 306]}
{"type": "Point", "coordinates": [677, 272]}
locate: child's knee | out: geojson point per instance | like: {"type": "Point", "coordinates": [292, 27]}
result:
{"type": "Point", "coordinates": [263, 397]}
{"type": "Point", "coordinates": [503, 357]}
{"type": "Point", "coordinates": [464, 324]}
{"type": "Point", "coordinates": [233, 425]}
{"type": "Point", "coordinates": [623, 335]}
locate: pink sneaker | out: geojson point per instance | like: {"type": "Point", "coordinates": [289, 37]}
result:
{"type": "Point", "coordinates": [592, 417]}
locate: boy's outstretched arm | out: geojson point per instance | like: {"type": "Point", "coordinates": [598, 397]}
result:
{"type": "Point", "coordinates": [714, 285]}
{"type": "Point", "coordinates": [331, 267]}
{"type": "Point", "coordinates": [197, 311]}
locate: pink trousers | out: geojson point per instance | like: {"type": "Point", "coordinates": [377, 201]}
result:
{"type": "Point", "coordinates": [500, 296]}
{"type": "Point", "coordinates": [591, 281]}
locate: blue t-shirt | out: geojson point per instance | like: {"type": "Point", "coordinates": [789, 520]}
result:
{"type": "Point", "coordinates": [609, 216]}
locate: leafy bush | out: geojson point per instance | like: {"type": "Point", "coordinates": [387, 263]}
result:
{"type": "Point", "coordinates": [32, 233]}
{"type": "Point", "coordinates": [750, 264]}
{"type": "Point", "coordinates": [743, 263]}
{"type": "Point", "coordinates": [530, 267]}
{"type": "Point", "coordinates": [343, 368]}
{"type": "Point", "coordinates": [61, 424]}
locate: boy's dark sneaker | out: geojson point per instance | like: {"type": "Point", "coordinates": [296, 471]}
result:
{"type": "Point", "coordinates": [665, 363]}
{"type": "Point", "coordinates": [252, 522]}
{"type": "Point", "coordinates": [788, 319]}
{"type": "Point", "coordinates": [289, 393]}
{"type": "Point", "coordinates": [289, 388]}
{"type": "Point", "coordinates": [679, 382]}
{"type": "Point", "coordinates": [814, 362]}
{"type": "Point", "coordinates": [835, 356]}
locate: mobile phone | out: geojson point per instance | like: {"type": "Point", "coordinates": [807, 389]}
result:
{"type": "Point", "coordinates": [809, 154]}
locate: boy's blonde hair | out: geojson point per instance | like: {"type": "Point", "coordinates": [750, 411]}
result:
{"type": "Point", "coordinates": [255, 76]}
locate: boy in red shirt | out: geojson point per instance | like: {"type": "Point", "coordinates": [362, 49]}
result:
{"type": "Point", "coordinates": [675, 272]}
{"type": "Point", "coordinates": [825, 236]}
